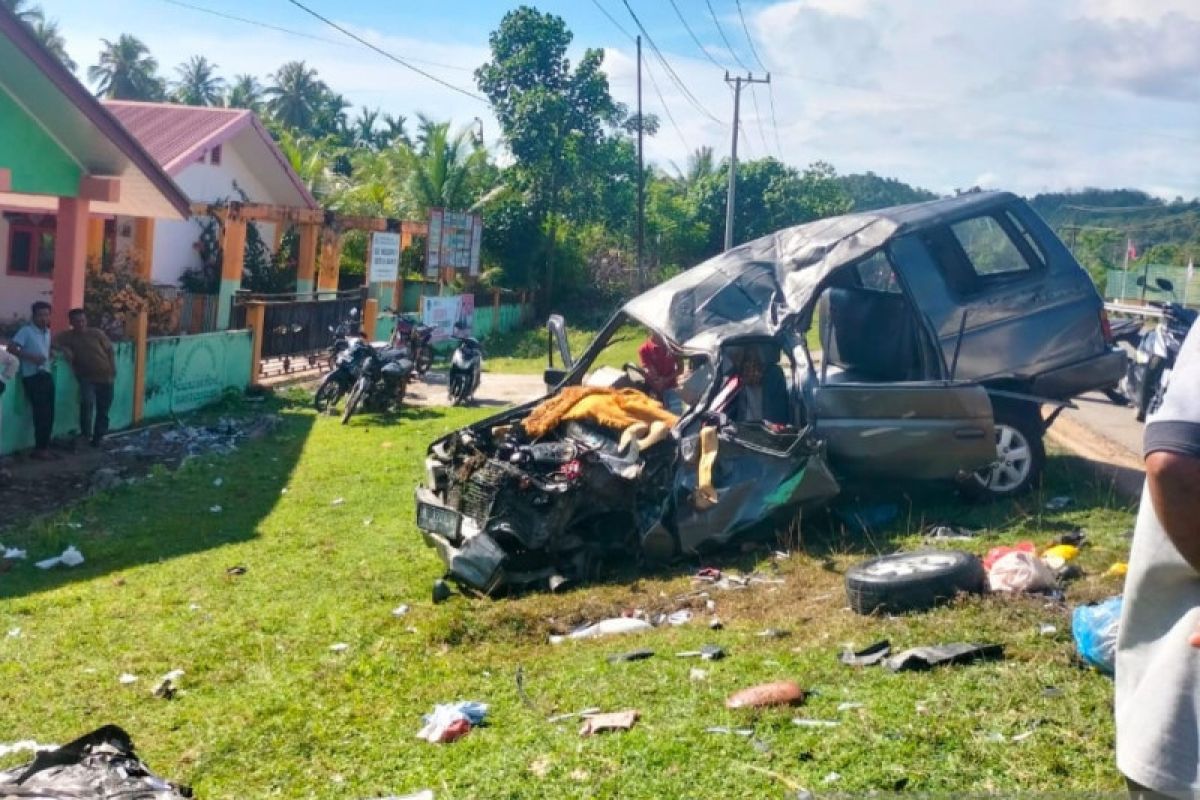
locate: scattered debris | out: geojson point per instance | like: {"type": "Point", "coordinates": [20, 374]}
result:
{"type": "Point", "coordinates": [400, 610]}
{"type": "Point", "coordinates": [730, 731]}
{"type": "Point", "coordinates": [996, 553]}
{"type": "Point", "coordinates": [774, 633]}
{"type": "Point", "coordinates": [24, 746]}
{"type": "Point", "coordinates": [949, 533]}
{"type": "Point", "coordinates": [367, 521]}
{"type": "Point", "coordinates": [843, 707]}
{"type": "Point", "coordinates": [1059, 555]}
{"type": "Point", "coordinates": [1019, 571]}
{"type": "Point", "coordinates": [632, 655]}
{"type": "Point", "coordinates": [1058, 503]}
{"type": "Point", "coordinates": [868, 656]}
{"type": "Point", "coordinates": [573, 715]}
{"type": "Point", "coordinates": [127, 678]}
{"type": "Point", "coordinates": [238, 570]}
{"type": "Point", "coordinates": [339, 647]}
{"type": "Point", "coordinates": [100, 765]}
{"type": "Point", "coordinates": [681, 617]}
{"type": "Point", "coordinates": [105, 478]}
{"type": "Point", "coordinates": [613, 721]}
{"type": "Point", "coordinates": [1095, 628]}
{"type": "Point", "coordinates": [441, 591]}
{"type": "Point", "coordinates": [1075, 538]}
{"type": "Point", "coordinates": [215, 509]}
{"type": "Point", "coordinates": [14, 554]}
{"type": "Point", "coordinates": [715, 624]}
{"type": "Point", "coordinates": [218, 481]}
{"type": "Point", "coordinates": [337, 501]}
{"type": "Point", "coordinates": [779, 693]}
{"type": "Point", "coordinates": [804, 722]}
{"type": "Point", "coordinates": [451, 721]}
{"type": "Point", "coordinates": [697, 674]}
{"type": "Point", "coordinates": [709, 652]}
{"type": "Point", "coordinates": [921, 658]}
{"type": "Point", "coordinates": [832, 777]}
{"type": "Point", "coordinates": [167, 687]}
{"type": "Point", "coordinates": [1046, 629]}
{"type": "Point", "coordinates": [71, 557]}
{"type": "Point", "coordinates": [14, 633]}
{"type": "Point", "coordinates": [912, 581]}
{"type": "Point", "coordinates": [608, 627]}
{"type": "Point", "coordinates": [1052, 692]}
{"type": "Point", "coordinates": [1118, 570]}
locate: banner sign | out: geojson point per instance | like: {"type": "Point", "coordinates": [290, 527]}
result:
{"type": "Point", "coordinates": [454, 242]}
{"type": "Point", "coordinates": [448, 315]}
{"type": "Point", "coordinates": [385, 258]}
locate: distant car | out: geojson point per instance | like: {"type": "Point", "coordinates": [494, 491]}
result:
{"type": "Point", "coordinates": [945, 328]}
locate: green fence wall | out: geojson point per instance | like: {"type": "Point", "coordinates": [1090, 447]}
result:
{"type": "Point", "coordinates": [1122, 285]}
{"type": "Point", "coordinates": [486, 321]}
{"type": "Point", "coordinates": [183, 373]}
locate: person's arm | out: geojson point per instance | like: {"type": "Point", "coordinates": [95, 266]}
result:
{"type": "Point", "coordinates": [1172, 480]}
{"type": "Point", "coordinates": [17, 348]}
{"type": "Point", "coordinates": [57, 346]}
{"type": "Point", "coordinates": [110, 350]}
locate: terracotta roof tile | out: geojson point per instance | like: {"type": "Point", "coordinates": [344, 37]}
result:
{"type": "Point", "coordinates": [175, 135]}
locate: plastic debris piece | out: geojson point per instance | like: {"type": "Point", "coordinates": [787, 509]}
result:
{"type": "Point", "coordinates": [1058, 503]}
{"type": "Point", "coordinates": [921, 658]}
{"type": "Point", "coordinates": [697, 674]}
{"type": "Point", "coordinates": [400, 610]}
{"type": "Point", "coordinates": [451, 721]}
{"type": "Point", "coordinates": [127, 678]}
{"type": "Point", "coordinates": [949, 533]}
{"type": "Point", "coordinates": [367, 521]}
{"type": "Point", "coordinates": [999, 552]}
{"type": "Point", "coordinates": [441, 591]}
{"type": "Point", "coordinates": [215, 509]}
{"type": "Point", "coordinates": [71, 557]}
{"type": "Point", "coordinates": [680, 617]}
{"type": "Point", "coordinates": [1076, 538]}
{"type": "Point", "coordinates": [167, 686]}
{"type": "Point", "coordinates": [15, 554]}
{"type": "Point", "coordinates": [832, 777]}
{"type": "Point", "coordinates": [708, 652]}
{"type": "Point", "coordinates": [218, 481]}
{"type": "Point", "coordinates": [613, 626]}
{"type": "Point", "coordinates": [715, 624]}
{"type": "Point", "coordinates": [1052, 692]}
{"type": "Point", "coordinates": [1020, 737]}
{"type": "Point", "coordinates": [779, 693]}
{"type": "Point", "coordinates": [1094, 628]}
{"type": "Point", "coordinates": [632, 655]}
{"type": "Point", "coordinates": [14, 633]}
{"type": "Point", "coordinates": [730, 731]}
{"type": "Point", "coordinates": [774, 633]}
{"type": "Point", "coordinates": [868, 656]}
{"type": "Point", "coordinates": [849, 706]}
{"type": "Point", "coordinates": [340, 647]}
{"type": "Point", "coordinates": [1059, 555]}
{"type": "Point", "coordinates": [1118, 570]}
{"type": "Point", "coordinates": [804, 722]}
{"type": "Point", "coordinates": [1046, 629]}
{"type": "Point", "coordinates": [1018, 572]}
{"type": "Point", "coordinates": [573, 715]}
{"type": "Point", "coordinates": [613, 721]}
{"type": "Point", "coordinates": [337, 501]}
{"type": "Point", "coordinates": [236, 570]}
{"type": "Point", "coordinates": [711, 574]}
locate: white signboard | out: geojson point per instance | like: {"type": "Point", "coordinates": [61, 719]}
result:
{"type": "Point", "coordinates": [385, 258]}
{"type": "Point", "coordinates": [454, 242]}
{"type": "Point", "coordinates": [448, 315]}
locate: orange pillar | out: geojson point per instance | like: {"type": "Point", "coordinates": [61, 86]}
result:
{"type": "Point", "coordinates": [140, 334]}
{"type": "Point", "coordinates": [143, 246]}
{"type": "Point", "coordinates": [331, 257]}
{"type": "Point", "coordinates": [70, 260]}
{"type": "Point", "coordinates": [370, 317]}
{"type": "Point", "coordinates": [233, 255]}
{"type": "Point", "coordinates": [95, 243]}
{"type": "Point", "coordinates": [306, 266]}
{"type": "Point", "coordinates": [255, 316]}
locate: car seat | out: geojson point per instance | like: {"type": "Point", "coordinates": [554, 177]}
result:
{"type": "Point", "coordinates": [871, 335]}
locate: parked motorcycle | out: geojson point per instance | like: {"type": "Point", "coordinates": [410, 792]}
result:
{"type": "Point", "coordinates": [466, 366]}
{"type": "Point", "coordinates": [382, 381]}
{"type": "Point", "coordinates": [341, 335]}
{"type": "Point", "coordinates": [346, 368]}
{"type": "Point", "coordinates": [417, 338]}
{"type": "Point", "coordinates": [1149, 371]}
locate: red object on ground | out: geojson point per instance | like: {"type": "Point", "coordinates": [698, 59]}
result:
{"type": "Point", "coordinates": [779, 693]}
{"type": "Point", "coordinates": [455, 730]}
{"type": "Point", "coordinates": [997, 552]}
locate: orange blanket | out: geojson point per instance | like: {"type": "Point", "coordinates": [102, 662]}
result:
{"type": "Point", "coordinates": [612, 408]}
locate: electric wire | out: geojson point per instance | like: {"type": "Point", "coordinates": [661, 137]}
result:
{"type": "Point", "coordinates": [724, 38]}
{"type": "Point", "coordinates": [758, 119]}
{"type": "Point", "coordinates": [674, 76]}
{"type": "Point", "coordinates": [695, 38]}
{"type": "Point", "coordinates": [763, 67]}
{"type": "Point", "coordinates": [388, 55]}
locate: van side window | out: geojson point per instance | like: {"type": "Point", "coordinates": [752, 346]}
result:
{"type": "Point", "coordinates": [875, 274]}
{"type": "Point", "coordinates": [989, 248]}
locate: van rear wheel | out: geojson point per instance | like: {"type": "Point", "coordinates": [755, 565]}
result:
{"type": "Point", "coordinates": [1020, 455]}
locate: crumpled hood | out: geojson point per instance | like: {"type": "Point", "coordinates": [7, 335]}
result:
{"type": "Point", "coordinates": [760, 286]}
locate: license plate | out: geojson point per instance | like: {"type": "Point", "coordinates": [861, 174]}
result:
{"type": "Point", "coordinates": [438, 519]}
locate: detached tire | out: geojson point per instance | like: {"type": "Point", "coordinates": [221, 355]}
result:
{"type": "Point", "coordinates": [1020, 455]}
{"type": "Point", "coordinates": [915, 581]}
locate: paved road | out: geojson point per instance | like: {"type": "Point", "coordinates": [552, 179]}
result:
{"type": "Point", "coordinates": [1116, 424]}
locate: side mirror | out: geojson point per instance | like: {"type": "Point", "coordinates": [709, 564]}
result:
{"type": "Point", "coordinates": [1165, 284]}
{"type": "Point", "coordinates": [554, 376]}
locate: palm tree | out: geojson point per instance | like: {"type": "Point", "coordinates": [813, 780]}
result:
{"type": "Point", "coordinates": [443, 171]}
{"type": "Point", "coordinates": [46, 31]}
{"type": "Point", "coordinates": [295, 96]}
{"type": "Point", "coordinates": [245, 92]}
{"type": "Point", "coordinates": [700, 165]}
{"type": "Point", "coordinates": [24, 11]}
{"type": "Point", "coordinates": [126, 71]}
{"type": "Point", "coordinates": [395, 133]}
{"type": "Point", "coordinates": [363, 128]}
{"type": "Point", "coordinates": [331, 117]}
{"type": "Point", "coordinates": [198, 84]}
{"type": "Point", "coordinates": [312, 161]}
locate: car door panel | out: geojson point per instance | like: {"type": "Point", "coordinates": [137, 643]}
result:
{"type": "Point", "coordinates": [920, 430]}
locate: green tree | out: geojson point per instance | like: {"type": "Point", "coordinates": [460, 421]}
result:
{"type": "Point", "coordinates": [46, 31]}
{"type": "Point", "coordinates": [24, 11]}
{"type": "Point", "coordinates": [555, 119]}
{"type": "Point", "coordinates": [198, 84]}
{"type": "Point", "coordinates": [295, 95]}
{"type": "Point", "coordinates": [443, 172]}
{"type": "Point", "coordinates": [126, 71]}
{"type": "Point", "coordinates": [395, 132]}
{"type": "Point", "coordinates": [868, 191]}
{"type": "Point", "coordinates": [363, 129]}
{"type": "Point", "coordinates": [245, 92]}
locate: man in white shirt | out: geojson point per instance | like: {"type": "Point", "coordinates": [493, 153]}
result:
{"type": "Point", "coordinates": [32, 346]}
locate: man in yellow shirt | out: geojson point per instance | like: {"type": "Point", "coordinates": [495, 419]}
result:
{"type": "Point", "coordinates": [90, 353]}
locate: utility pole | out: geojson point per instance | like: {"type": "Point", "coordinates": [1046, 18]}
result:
{"type": "Point", "coordinates": [641, 215]}
{"type": "Point", "coordinates": [737, 82]}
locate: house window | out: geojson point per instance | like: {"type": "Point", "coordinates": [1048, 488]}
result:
{"type": "Point", "coordinates": [215, 156]}
{"type": "Point", "coordinates": [30, 249]}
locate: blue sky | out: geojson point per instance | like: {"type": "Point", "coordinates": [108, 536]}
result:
{"type": "Point", "coordinates": [1021, 94]}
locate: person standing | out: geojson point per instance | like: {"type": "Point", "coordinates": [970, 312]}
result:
{"type": "Point", "coordinates": [1157, 699]}
{"type": "Point", "coordinates": [32, 346]}
{"type": "Point", "coordinates": [90, 353]}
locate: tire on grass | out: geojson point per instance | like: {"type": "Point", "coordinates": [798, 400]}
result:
{"type": "Point", "coordinates": [915, 581]}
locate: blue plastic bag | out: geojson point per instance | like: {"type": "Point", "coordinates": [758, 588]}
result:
{"type": "Point", "coordinates": [1095, 630]}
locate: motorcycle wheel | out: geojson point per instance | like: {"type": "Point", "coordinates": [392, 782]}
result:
{"type": "Point", "coordinates": [328, 394]}
{"type": "Point", "coordinates": [355, 398]}
{"type": "Point", "coordinates": [1148, 392]}
{"type": "Point", "coordinates": [424, 360]}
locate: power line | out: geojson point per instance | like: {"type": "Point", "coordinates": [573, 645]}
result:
{"type": "Point", "coordinates": [770, 88]}
{"type": "Point", "coordinates": [749, 40]}
{"type": "Point", "coordinates": [758, 119]}
{"type": "Point", "coordinates": [691, 98]}
{"type": "Point", "coordinates": [774, 120]}
{"type": "Point", "coordinates": [724, 38]}
{"type": "Point", "coordinates": [695, 38]}
{"type": "Point", "coordinates": [613, 20]}
{"type": "Point", "coordinates": [388, 55]}
{"type": "Point", "coordinates": [291, 32]}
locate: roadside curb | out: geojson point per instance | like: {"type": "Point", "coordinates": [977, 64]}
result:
{"type": "Point", "coordinates": [1109, 461]}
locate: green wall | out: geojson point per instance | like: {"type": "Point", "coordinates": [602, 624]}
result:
{"type": "Point", "coordinates": [38, 164]}
{"type": "Point", "coordinates": [183, 373]}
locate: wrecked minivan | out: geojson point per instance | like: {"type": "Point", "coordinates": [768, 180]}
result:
{"type": "Point", "coordinates": [944, 329]}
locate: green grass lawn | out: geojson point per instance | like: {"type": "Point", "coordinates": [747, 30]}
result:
{"type": "Point", "coordinates": [270, 711]}
{"type": "Point", "coordinates": [524, 352]}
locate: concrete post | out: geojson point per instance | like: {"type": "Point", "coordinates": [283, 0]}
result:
{"type": "Point", "coordinates": [331, 257]}
{"type": "Point", "coordinates": [256, 312]}
{"type": "Point", "coordinates": [140, 336]}
{"type": "Point", "coordinates": [95, 244]}
{"type": "Point", "coordinates": [143, 246]}
{"type": "Point", "coordinates": [233, 254]}
{"type": "Point", "coordinates": [370, 317]}
{"type": "Point", "coordinates": [306, 267]}
{"type": "Point", "coordinates": [70, 260]}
